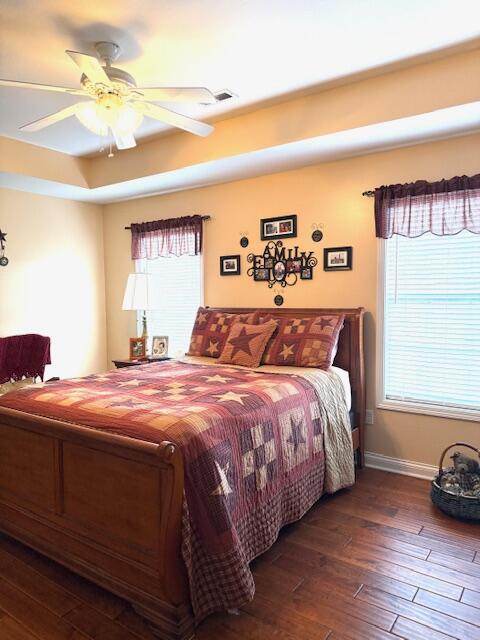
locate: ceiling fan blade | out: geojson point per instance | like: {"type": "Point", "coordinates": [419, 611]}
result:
{"type": "Point", "coordinates": [91, 67]}
{"type": "Point", "coordinates": [175, 119]}
{"type": "Point", "coordinates": [124, 141]}
{"type": "Point", "coordinates": [51, 119]}
{"type": "Point", "coordinates": [177, 94]}
{"type": "Point", "coordinates": [42, 87]}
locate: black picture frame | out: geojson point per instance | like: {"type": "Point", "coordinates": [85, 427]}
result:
{"type": "Point", "coordinates": [276, 223]}
{"type": "Point", "coordinates": [339, 262]}
{"type": "Point", "coordinates": [261, 274]}
{"type": "Point", "coordinates": [225, 269]}
{"type": "Point", "coordinates": [306, 273]}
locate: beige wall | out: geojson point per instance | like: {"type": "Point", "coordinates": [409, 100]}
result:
{"type": "Point", "coordinates": [54, 284]}
{"type": "Point", "coordinates": [328, 194]}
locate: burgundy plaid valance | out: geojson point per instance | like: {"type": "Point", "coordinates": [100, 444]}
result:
{"type": "Point", "coordinates": [163, 238]}
{"type": "Point", "coordinates": [443, 208]}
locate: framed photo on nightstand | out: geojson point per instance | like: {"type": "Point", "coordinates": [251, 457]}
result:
{"type": "Point", "coordinates": [159, 346]}
{"type": "Point", "coordinates": [138, 348]}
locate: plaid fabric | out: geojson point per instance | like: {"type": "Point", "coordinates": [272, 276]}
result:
{"type": "Point", "coordinates": [304, 342]}
{"type": "Point", "coordinates": [246, 343]}
{"type": "Point", "coordinates": [211, 329]}
{"type": "Point", "coordinates": [252, 444]}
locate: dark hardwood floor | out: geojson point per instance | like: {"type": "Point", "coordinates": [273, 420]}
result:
{"type": "Point", "coordinates": [377, 562]}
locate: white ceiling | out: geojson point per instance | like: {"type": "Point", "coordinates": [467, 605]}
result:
{"type": "Point", "coordinates": [259, 49]}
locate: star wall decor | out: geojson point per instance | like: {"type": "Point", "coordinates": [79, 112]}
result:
{"type": "Point", "coordinates": [3, 257]}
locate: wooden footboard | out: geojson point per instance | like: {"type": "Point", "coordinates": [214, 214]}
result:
{"type": "Point", "coordinates": [106, 506]}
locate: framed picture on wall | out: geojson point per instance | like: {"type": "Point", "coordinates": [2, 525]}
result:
{"type": "Point", "coordinates": [138, 348]}
{"type": "Point", "coordinates": [229, 265]}
{"type": "Point", "coordinates": [337, 259]}
{"type": "Point", "coordinates": [280, 227]}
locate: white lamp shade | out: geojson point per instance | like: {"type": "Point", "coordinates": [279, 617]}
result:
{"type": "Point", "coordinates": [140, 293]}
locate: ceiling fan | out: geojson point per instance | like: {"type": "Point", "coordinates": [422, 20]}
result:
{"type": "Point", "coordinates": [115, 103]}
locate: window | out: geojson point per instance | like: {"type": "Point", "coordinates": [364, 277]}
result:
{"type": "Point", "coordinates": [179, 284]}
{"type": "Point", "coordinates": [431, 325]}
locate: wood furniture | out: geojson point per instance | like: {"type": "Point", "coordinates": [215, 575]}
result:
{"type": "Point", "coordinates": [109, 507]}
{"type": "Point", "coordinates": [120, 364]}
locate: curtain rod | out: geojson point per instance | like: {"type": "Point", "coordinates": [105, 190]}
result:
{"type": "Point", "coordinates": [368, 194]}
{"type": "Point", "coordinates": [203, 218]}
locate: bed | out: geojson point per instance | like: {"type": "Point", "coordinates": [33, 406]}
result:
{"type": "Point", "coordinates": [107, 499]}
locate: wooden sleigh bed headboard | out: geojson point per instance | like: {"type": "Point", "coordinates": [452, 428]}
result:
{"type": "Point", "coordinates": [350, 356]}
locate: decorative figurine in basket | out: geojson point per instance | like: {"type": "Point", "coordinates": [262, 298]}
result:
{"type": "Point", "coordinates": [456, 490]}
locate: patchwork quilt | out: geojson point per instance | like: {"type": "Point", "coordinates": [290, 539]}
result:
{"type": "Point", "coordinates": [253, 446]}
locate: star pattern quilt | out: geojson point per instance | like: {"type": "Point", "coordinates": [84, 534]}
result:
{"type": "Point", "coordinates": [252, 442]}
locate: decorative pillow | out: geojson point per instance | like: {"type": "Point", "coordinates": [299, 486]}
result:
{"type": "Point", "coordinates": [246, 343]}
{"type": "Point", "coordinates": [211, 329]}
{"type": "Point", "coordinates": [305, 342]}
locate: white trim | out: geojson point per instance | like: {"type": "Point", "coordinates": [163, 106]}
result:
{"type": "Point", "coordinates": [379, 364]}
{"type": "Point", "coordinates": [403, 467]}
{"type": "Point", "coordinates": [441, 411]}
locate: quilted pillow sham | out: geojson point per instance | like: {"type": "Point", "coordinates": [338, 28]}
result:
{"type": "Point", "coordinates": [246, 343]}
{"type": "Point", "coordinates": [304, 342]}
{"type": "Point", "coordinates": [211, 329]}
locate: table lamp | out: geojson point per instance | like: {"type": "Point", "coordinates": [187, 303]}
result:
{"type": "Point", "coordinates": [140, 296]}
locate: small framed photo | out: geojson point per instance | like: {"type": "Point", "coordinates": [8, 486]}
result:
{"type": "Point", "coordinates": [294, 266]}
{"type": "Point", "coordinates": [159, 346]}
{"type": "Point", "coordinates": [229, 265]}
{"type": "Point", "coordinates": [306, 273]}
{"type": "Point", "coordinates": [138, 348]}
{"type": "Point", "coordinates": [261, 275]}
{"type": "Point", "coordinates": [337, 259]}
{"type": "Point", "coordinates": [279, 270]}
{"type": "Point", "coordinates": [277, 228]}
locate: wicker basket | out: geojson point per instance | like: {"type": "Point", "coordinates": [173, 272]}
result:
{"type": "Point", "coordinates": [464, 507]}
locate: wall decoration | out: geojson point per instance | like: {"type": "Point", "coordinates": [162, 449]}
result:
{"type": "Point", "coordinates": [337, 259]}
{"type": "Point", "coordinates": [280, 227]}
{"type": "Point", "coordinates": [317, 235]}
{"type": "Point", "coordinates": [138, 348]}
{"type": "Point", "coordinates": [244, 242]}
{"type": "Point", "coordinates": [278, 265]}
{"type": "Point", "coordinates": [159, 346]}
{"type": "Point", "coordinates": [278, 300]}
{"type": "Point", "coordinates": [3, 257]}
{"type": "Point", "coordinates": [229, 265]}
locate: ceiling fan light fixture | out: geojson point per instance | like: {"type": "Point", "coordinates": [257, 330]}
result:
{"type": "Point", "coordinates": [87, 114]}
{"type": "Point", "coordinates": [128, 120]}
{"type": "Point", "coordinates": [116, 105]}
{"type": "Point", "coordinates": [100, 116]}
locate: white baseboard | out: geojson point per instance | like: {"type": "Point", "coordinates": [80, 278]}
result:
{"type": "Point", "coordinates": [403, 467]}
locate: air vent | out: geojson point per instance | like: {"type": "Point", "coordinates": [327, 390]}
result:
{"type": "Point", "coordinates": [224, 95]}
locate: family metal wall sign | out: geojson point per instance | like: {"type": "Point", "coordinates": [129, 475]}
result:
{"type": "Point", "coordinates": [279, 265]}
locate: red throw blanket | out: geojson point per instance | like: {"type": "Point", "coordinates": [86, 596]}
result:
{"type": "Point", "coordinates": [252, 445]}
{"type": "Point", "coordinates": [23, 357]}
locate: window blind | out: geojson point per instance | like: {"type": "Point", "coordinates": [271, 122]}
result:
{"type": "Point", "coordinates": [179, 283]}
{"type": "Point", "coordinates": [432, 320]}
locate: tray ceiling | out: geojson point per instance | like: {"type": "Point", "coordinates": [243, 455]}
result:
{"type": "Point", "coordinates": [260, 50]}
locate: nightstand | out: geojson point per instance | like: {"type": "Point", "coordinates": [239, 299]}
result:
{"type": "Point", "coordinates": [119, 364]}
